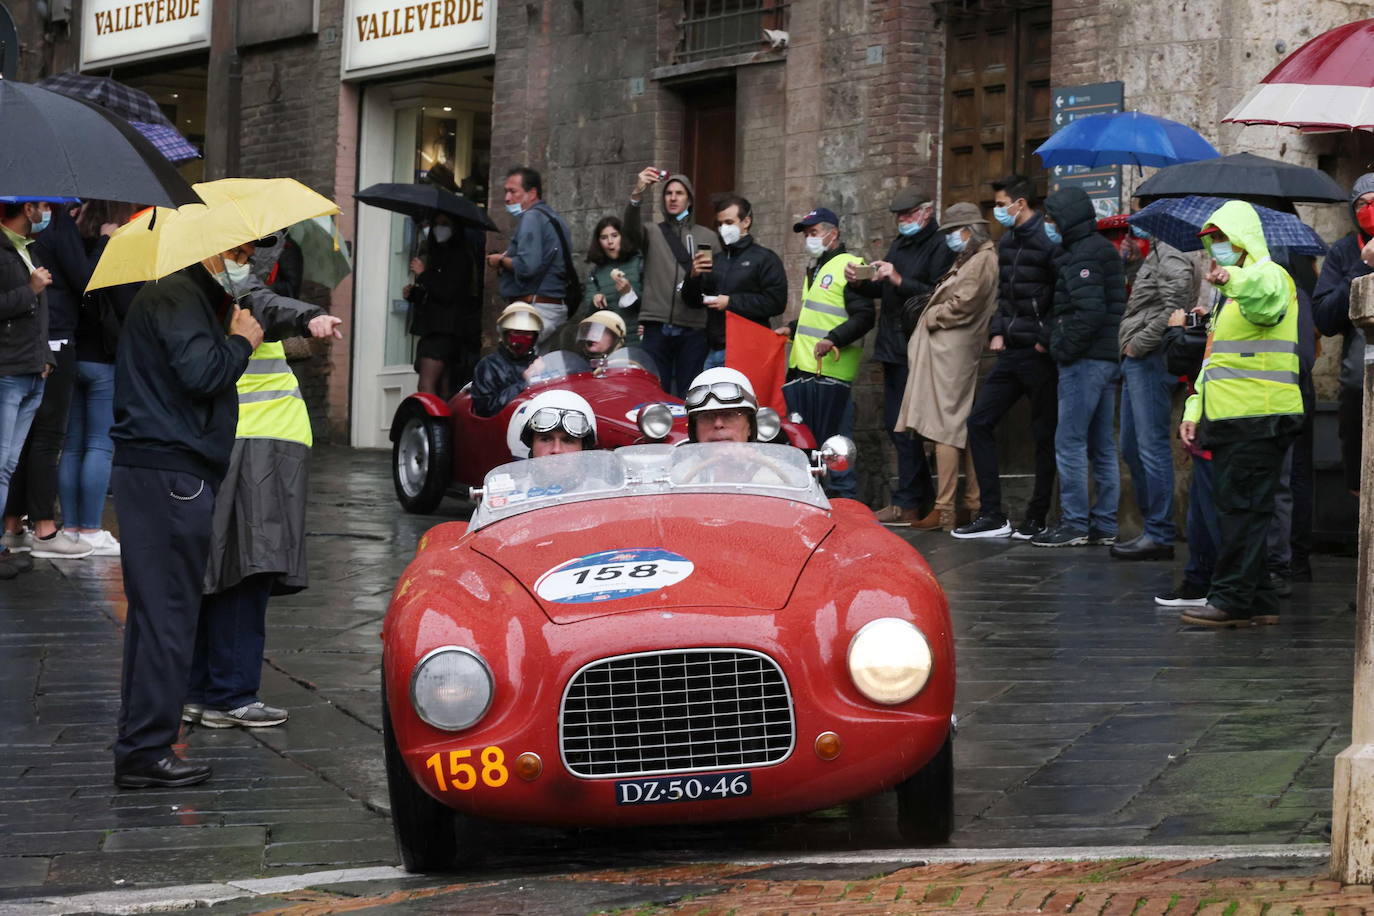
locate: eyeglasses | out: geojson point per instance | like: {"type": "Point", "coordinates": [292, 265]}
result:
{"type": "Point", "coordinates": [724, 392]}
{"type": "Point", "coordinates": [547, 419]}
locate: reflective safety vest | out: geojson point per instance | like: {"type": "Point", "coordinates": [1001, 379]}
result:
{"type": "Point", "coordinates": [270, 403]}
{"type": "Point", "coordinates": [823, 311]}
{"type": "Point", "coordinates": [1251, 370]}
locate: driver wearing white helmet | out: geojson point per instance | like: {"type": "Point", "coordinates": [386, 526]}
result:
{"type": "Point", "coordinates": [600, 334]}
{"type": "Point", "coordinates": [722, 407]}
{"type": "Point", "coordinates": [551, 423]}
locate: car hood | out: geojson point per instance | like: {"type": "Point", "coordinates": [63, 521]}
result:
{"type": "Point", "coordinates": [601, 557]}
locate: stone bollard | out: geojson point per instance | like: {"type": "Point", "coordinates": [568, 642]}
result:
{"type": "Point", "coordinates": [1352, 820]}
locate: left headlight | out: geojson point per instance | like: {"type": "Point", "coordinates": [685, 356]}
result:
{"type": "Point", "coordinates": [889, 660]}
{"type": "Point", "coordinates": [451, 688]}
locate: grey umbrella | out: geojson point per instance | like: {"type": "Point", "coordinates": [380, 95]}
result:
{"type": "Point", "coordinates": [1244, 176]}
{"type": "Point", "coordinates": [56, 146]}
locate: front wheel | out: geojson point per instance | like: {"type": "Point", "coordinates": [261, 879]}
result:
{"type": "Point", "coordinates": [426, 831]}
{"type": "Point", "coordinates": [925, 800]}
{"type": "Point", "coordinates": [420, 459]}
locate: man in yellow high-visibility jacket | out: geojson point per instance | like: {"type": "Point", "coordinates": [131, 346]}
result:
{"type": "Point", "coordinates": [1247, 409]}
{"type": "Point", "coordinates": [827, 340]}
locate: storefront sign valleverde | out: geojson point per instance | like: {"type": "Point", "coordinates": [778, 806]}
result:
{"type": "Point", "coordinates": [119, 31]}
{"type": "Point", "coordinates": [383, 36]}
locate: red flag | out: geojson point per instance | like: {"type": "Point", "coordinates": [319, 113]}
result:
{"type": "Point", "coordinates": [761, 355]}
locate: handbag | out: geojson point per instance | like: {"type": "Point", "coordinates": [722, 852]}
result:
{"type": "Point", "coordinates": [912, 310]}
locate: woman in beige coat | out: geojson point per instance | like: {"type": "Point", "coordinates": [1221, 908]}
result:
{"type": "Point", "coordinates": [943, 354]}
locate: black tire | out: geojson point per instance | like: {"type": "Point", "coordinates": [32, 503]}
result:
{"type": "Point", "coordinates": [925, 800]}
{"type": "Point", "coordinates": [426, 831]}
{"type": "Point", "coordinates": [421, 457]}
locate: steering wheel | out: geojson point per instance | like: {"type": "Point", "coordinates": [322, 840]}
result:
{"type": "Point", "coordinates": [763, 461]}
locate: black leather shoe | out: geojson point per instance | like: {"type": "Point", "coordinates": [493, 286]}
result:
{"type": "Point", "coordinates": [1211, 616]}
{"type": "Point", "coordinates": [169, 772]}
{"type": "Point", "coordinates": [1143, 548]}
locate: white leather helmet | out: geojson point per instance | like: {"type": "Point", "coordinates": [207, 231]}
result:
{"type": "Point", "coordinates": [546, 411]}
{"type": "Point", "coordinates": [721, 388]}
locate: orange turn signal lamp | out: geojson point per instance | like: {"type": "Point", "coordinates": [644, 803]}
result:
{"type": "Point", "coordinates": [827, 745]}
{"type": "Point", "coordinates": [528, 766]}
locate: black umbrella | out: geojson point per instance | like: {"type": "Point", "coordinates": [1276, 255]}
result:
{"type": "Point", "coordinates": [55, 146]}
{"type": "Point", "coordinates": [423, 200]}
{"type": "Point", "coordinates": [1246, 176]}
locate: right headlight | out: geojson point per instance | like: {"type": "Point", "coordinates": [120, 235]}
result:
{"type": "Point", "coordinates": [889, 660]}
{"type": "Point", "coordinates": [451, 688]}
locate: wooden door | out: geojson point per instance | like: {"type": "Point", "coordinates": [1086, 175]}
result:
{"type": "Point", "coordinates": [708, 146]}
{"type": "Point", "coordinates": [997, 100]}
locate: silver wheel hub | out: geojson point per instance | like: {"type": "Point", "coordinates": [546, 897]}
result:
{"type": "Point", "coordinates": [412, 457]}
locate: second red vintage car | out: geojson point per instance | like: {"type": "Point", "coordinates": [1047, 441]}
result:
{"type": "Point", "coordinates": [441, 447]}
{"type": "Point", "coordinates": [659, 635]}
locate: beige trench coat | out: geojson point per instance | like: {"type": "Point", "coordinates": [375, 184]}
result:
{"type": "Point", "coordinates": [944, 350]}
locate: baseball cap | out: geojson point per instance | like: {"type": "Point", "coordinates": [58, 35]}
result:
{"type": "Point", "coordinates": [818, 215]}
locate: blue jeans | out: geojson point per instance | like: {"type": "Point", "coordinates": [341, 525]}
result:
{"type": "Point", "coordinates": [714, 360]}
{"type": "Point", "coordinates": [1146, 402]}
{"type": "Point", "coordinates": [678, 354]}
{"type": "Point", "coordinates": [1084, 437]}
{"type": "Point", "coordinates": [1203, 535]}
{"type": "Point", "coordinates": [20, 396]}
{"type": "Point", "coordinates": [83, 474]}
{"type": "Point", "coordinates": [226, 668]}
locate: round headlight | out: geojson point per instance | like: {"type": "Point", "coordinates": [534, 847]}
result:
{"type": "Point", "coordinates": [451, 688]}
{"type": "Point", "coordinates": [655, 421]}
{"type": "Point", "coordinates": [769, 423]}
{"type": "Point", "coordinates": [889, 660]}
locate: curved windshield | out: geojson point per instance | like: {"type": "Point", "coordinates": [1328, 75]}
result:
{"type": "Point", "coordinates": [556, 365]}
{"type": "Point", "coordinates": [752, 468]}
{"type": "Point", "coordinates": [630, 358]}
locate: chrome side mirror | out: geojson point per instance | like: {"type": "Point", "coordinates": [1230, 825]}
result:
{"type": "Point", "coordinates": [655, 422]}
{"type": "Point", "coordinates": [837, 454]}
{"type": "Point", "coordinates": [769, 424]}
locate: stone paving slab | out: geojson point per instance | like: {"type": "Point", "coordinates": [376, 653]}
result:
{"type": "Point", "coordinates": [1088, 716]}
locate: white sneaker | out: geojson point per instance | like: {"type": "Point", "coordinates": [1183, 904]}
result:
{"type": "Point", "coordinates": [21, 542]}
{"type": "Point", "coordinates": [61, 546]}
{"type": "Point", "coordinates": [104, 543]}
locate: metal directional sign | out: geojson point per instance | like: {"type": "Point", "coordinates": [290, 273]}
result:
{"type": "Point", "coordinates": [1102, 183]}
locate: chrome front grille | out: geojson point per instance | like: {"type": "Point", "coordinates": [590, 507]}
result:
{"type": "Point", "coordinates": [675, 711]}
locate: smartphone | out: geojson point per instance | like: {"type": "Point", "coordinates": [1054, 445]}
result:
{"type": "Point", "coordinates": [1196, 320]}
{"type": "Point", "coordinates": [864, 272]}
{"type": "Point", "coordinates": [662, 174]}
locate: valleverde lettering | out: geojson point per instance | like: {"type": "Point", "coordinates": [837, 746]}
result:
{"type": "Point", "coordinates": [149, 12]}
{"type": "Point", "coordinates": [418, 17]}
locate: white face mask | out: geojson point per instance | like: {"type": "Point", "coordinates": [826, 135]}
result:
{"type": "Point", "coordinates": [815, 246]}
{"type": "Point", "coordinates": [730, 234]}
{"type": "Point", "coordinates": [233, 277]}
{"type": "Point", "coordinates": [441, 234]}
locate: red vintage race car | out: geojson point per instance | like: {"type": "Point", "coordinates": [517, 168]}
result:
{"type": "Point", "coordinates": [659, 635]}
{"type": "Point", "coordinates": [443, 447]}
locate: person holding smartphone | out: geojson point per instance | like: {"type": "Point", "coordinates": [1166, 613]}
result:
{"type": "Point", "coordinates": [745, 278]}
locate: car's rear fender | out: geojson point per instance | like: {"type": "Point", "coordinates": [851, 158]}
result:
{"type": "Point", "coordinates": [431, 404]}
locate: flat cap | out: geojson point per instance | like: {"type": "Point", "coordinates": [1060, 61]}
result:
{"type": "Point", "coordinates": [909, 197]}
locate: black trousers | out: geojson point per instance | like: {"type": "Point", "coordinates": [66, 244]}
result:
{"type": "Point", "coordinates": [1245, 477]}
{"type": "Point", "coordinates": [1019, 373]}
{"type": "Point", "coordinates": [33, 488]}
{"type": "Point", "coordinates": [1350, 423]}
{"type": "Point", "coordinates": [164, 528]}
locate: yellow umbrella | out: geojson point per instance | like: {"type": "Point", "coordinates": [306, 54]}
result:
{"type": "Point", "coordinates": [161, 241]}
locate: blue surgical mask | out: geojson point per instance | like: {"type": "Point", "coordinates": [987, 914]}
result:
{"type": "Point", "coordinates": [910, 228]}
{"type": "Point", "coordinates": [514, 209]}
{"type": "Point", "coordinates": [1052, 231]}
{"type": "Point", "coordinates": [1003, 216]}
{"type": "Point", "coordinates": [1225, 254]}
{"type": "Point", "coordinates": [955, 241]}
{"type": "Point", "coordinates": [681, 216]}
{"type": "Point", "coordinates": [42, 224]}
{"type": "Point", "coordinates": [1139, 233]}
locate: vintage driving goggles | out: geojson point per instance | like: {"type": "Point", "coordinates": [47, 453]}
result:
{"type": "Point", "coordinates": [547, 419]}
{"type": "Point", "coordinates": [724, 392]}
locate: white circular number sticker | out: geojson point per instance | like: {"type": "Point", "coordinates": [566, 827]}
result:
{"type": "Point", "coordinates": [612, 574]}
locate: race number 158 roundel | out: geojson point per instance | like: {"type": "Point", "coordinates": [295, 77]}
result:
{"type": "Point", "coordinates": [612, 574]}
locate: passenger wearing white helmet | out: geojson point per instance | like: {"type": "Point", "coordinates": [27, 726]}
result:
{"type": "Point", "coordinates": [722, 407]}
{"type": "Point", "coordinates": [600, 334]}
{"type": "Point", "coordinates": [551, 423]}
{"type": "Point", "coordinates": [498, 377]}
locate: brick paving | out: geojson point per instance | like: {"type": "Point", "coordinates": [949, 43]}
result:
{"type": "Point", "coordinates": [1088, 717]}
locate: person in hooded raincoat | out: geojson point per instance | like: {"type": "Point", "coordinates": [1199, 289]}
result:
{"type": "Point", "coordinates": [257, 546]}
{"type": "Point", "coordinates": [674, 333]}
{"type": "Point", "coordinates": [1247, 409]}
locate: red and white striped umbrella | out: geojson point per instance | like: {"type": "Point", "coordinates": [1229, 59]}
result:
{"type": "Point", "coordinates": [1326, 85]}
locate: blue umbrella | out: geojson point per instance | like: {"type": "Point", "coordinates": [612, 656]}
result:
{"type": "Point", "coordinates": [1176, 221]}
{"type": "Point", "coordinates": [1126, 137]}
